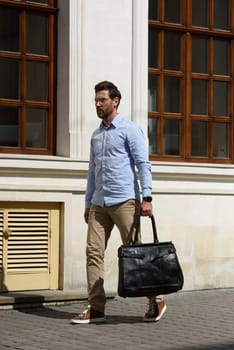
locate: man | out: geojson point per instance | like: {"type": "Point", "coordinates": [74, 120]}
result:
{"type": "Point", "coordinates": [113, 196]}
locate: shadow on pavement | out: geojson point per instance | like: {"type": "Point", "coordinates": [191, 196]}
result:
{"type": "Point", "coordinates": [47, 312]}
{"type": "Point", "coordinates": [57, 314]}
{"type": "Point", "coordinates": [227, 346]}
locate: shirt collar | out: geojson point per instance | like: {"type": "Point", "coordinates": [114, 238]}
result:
{"type": "Point", "coordinates": [115, 122]}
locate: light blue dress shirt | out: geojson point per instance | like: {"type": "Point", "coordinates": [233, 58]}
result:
{"type": "Point", "coordinates": [116, 152]}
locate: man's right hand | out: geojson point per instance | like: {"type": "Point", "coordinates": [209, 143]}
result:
{"type": "Point", "coordinates": [86, 215]}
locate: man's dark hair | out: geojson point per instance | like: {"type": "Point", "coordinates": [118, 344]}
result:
{"type": "Point", "coordinates": [108, 85]}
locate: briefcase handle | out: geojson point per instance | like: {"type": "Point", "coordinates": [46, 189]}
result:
{"type": "Point", "coordinates": [155, 235]}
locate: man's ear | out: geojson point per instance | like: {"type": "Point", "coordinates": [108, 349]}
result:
{"type": "Point", "coordinates": [116, 100]}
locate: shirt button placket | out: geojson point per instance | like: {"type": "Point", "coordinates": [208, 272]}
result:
{"type": "Point", "coordinates": [103, 161]}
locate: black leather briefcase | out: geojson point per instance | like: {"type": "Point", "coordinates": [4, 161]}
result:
{"type": "Point", "coordinates": [148, 269]}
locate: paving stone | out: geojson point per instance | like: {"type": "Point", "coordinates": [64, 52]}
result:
{"type": "Point", "coordinates": [199, 320]}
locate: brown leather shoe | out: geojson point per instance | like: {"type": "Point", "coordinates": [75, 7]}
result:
{"type": "Point", "coordinates": [89, 316]}
{"type": "Point", "coordinates": [155, 311]}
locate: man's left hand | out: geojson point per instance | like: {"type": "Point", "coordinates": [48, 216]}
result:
{"type": "Point", "coordinates": [146, 208]}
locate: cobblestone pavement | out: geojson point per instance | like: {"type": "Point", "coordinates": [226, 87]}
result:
{"type": "Point", "coordinates": [200, 320]}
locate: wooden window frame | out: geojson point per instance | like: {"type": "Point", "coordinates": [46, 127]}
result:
{"type": "Point", "coordinates": [22, 103]}
{"type": "Point", "coordinates": [187, 30]}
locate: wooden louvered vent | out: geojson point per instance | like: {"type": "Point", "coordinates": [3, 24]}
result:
{"type": "Point", "coordinates": [29, 246]}
{"type": "Point", "coordinates": [28, 240]}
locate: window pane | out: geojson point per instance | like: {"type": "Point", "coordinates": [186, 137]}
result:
{"type": "Point", "coordinates": [172, 95]}
{"type": "Point", "coordinates": [37, 34]}
{"type": "Point", "coordinates": [172, 137]}
{"type": "Point", "coordinates": [9, 29]}
{"type": "Point", "coordinates": [9, 127]}
{"type": "Point", "coordinates": [199, 139]}
{"type": "Point", "coordinates": [199, 97]}
{"type": "Point", "coordinates": [172, 11]}
{"type": "Point", "coordinates": [221, 57]}
{"type": "Point", "coordinates": [9, 81]}
{"type": "Point", "coordinates": [152, 134]}
{"type": "Point", "coordinates": [221, 140]}
{"type": "Point", "coordinates": [172, 51]}
{"type": "Point", "coordinates": [153, 93]}
{"type": "Point", "coordinates": [153, 49]}
{"type": "Point", "coordinates": [36, 128]}
{"type": "Point", "coordinates": [39, 1]}
{"type": "Point", "coordinates": [221, 14]}
{"type": "Point", "coordinates": [153, 10]}
{"type": "Point", "coordinates": [37, 72]}
{"type": "Point", "coordinates": [200, 13]}
{"type": "Point", "coordinates": [221, 99]}
{"type": "Point", "coordinates": [199, 55]}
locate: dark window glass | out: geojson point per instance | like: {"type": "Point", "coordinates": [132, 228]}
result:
{"type": "Point", "coordinates": [153, 49]}
{"type": "Point", "coordinates": [199, 97]}
{"type": "Point", "coordinates": [37, 81]}
{"type": "Point", "coordinates": [36, 128]}
{"type": "Point", "coordinates": [199, 139]}
{"type": "Point", "coordinates": [172, 137]}
{"type": "Point", "coordinates": [172, 51]}
{"type": "Point", "coordinates": [172, 94]}
{"type": "Point", "coordinates": [153, 93]}
{"type": "Point", "coordinates": [221, 97]}
{"type": "Point", "coordinates": [152, 134]}
{"type": "Point", "coordinates": [200, 13]}
{"type": "Point", "coordinates": [9, 29]}
{"type": "Point", "coordinates": [9, 127]}
{"type": "Point", "coordinates": [221, 14]}
{"type": "Point", "coordinates": [37, 34]}
{"type": "Point", "coordinates": [153, 10]}
{"type": "Point", "coordinates": [221, 57]}
{"type": "Point", "coordinates": [9, 81]}
{"type": "Point", "coordinates": [199, 55]}
{"type": "Point", "coordinates": [39, 1]}
{"type": "Point", "coordinates": [172, 11]}
{"type": "Point", "coordinates": [221, 140]}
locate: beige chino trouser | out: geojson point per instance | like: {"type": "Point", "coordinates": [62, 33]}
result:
{"type": "Point", "coordinates": [100, 225]}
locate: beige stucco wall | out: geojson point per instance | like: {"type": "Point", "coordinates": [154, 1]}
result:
{"type": "Point", "coordinates": [192, 206]}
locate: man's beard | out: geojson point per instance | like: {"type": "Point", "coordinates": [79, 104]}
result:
{"type": "Point", "coordinates": [103, 115]}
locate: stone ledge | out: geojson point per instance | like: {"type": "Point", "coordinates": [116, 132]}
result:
{"type": "Point", "coordinates": [14, 300]}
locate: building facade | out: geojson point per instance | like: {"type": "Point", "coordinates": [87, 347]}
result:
{"type": "Point", "coordinates": [44, 148]}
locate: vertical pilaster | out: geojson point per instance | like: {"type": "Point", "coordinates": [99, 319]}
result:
{"type": "Point", "coordinates": [75, 79]}
{"type": "Point", "coordinates": [140, 63]}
